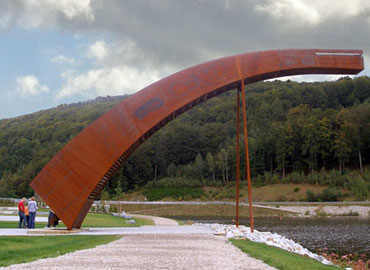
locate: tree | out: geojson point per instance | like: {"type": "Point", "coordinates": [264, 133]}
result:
{"type": "Point", "coordinates": [199, 163]}
{"type": "Point", "coordinates": [283, 146]}
{"type": "Point", "coordinates": [211, 165]}
{"type": "Point", "coordinates": [171, 170]}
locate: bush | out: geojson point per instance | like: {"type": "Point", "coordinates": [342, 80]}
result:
{"type": "Point", "coordinates": [294, 177]}
{"type": "Point", "coordinates": [157, 193]}
{"type": "Point", "coordinates": [174, 182]}
{"type": "Point", "coordinates": [314, 178]}
{"type": "Point", "coordinates": [330, 195]}
{"type": "Point", "coordinates": [359, 187]}
{"type": "Point", "coordinates": [296, 189]}
{"type": "Point", "coordinates": [311, 196]}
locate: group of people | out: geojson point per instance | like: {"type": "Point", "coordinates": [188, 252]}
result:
{"type": "Point", "coordinates": [27, 213]}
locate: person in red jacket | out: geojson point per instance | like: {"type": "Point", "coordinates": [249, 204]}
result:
{"type": "Point", "coordinates": [22, 217]}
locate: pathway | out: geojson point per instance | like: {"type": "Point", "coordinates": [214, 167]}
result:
{"type": "Point", "coordinates": [159, 221]}
{"type": "Point", "coordinates": [163, 246]}
{"type": "Point", "coordinates": [154, 251]}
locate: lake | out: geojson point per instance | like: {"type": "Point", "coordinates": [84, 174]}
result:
{"type": "Point", "coordinates": [341, 235]}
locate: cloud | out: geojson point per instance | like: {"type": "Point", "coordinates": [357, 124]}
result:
{"type": "Point", "coordinates": [291, 10]}
{"type": "Point", "coordinates": [4, 20]}
{"type": "Point", "coordinates": [30, 86]}
{"type": "Point", "coordinates": [107, 81]}
{"type": "Point", "coordinates": [166, 36]}
{"type": "Point", "coordinates": [178, 34]}
{"type": "Point", "coordinates": [61, 59]}
{"type": "Point", "coordinates": [311, 78]}
{"type": "Point", "coordinates": [314, 12]}
{"type": "Point", "coordinates": [44, 13]}
{"type": "Point", "coordinates": [99, 50]}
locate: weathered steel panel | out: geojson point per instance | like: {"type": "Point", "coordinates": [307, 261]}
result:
{"type": "Point", "coordinates": [70, 182]}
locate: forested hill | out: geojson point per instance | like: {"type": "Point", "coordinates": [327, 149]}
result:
{"type": "Point", "coordinates": [295, 130]}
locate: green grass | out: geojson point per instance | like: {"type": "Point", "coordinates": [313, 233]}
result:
{"type": "Point", "coordinates": [279, 258]}
{"type": "Point", "coordinates": [14, 224]}
{"type": "Point", "coordinates": [104, 220]}
{"type": "Point", "coordinates": [21, 249]}
{"type": "Point", "coordinates": [91, 220]}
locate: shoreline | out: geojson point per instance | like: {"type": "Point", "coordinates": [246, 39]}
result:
{"type": "Point", "coordinates": [328, 210]}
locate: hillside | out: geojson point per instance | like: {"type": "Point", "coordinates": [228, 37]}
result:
{"type": "Point", "coordinates": [314, 133]}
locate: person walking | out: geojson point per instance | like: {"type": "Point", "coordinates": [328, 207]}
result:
{"type": "Point", "coordinates": [32, 208]}
{"type": "Point", "coordinates": [22, 218]}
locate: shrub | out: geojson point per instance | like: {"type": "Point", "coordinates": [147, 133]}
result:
{"type": "Point", "coordinates": [311, 196]}
{"type": "Point", "coordinates": [174, 182]}
{"type": "Point", "coordinates": [314, 178]}
{"type": "Point", "coordinates": [296, 189]}
{"type": "Point", "coordinates": [294, 177]}
{"type": "Point", "coordinates": [330, 195]}
{"type": "Point", "coordinates": [155, 194]}
{"type": "Point", "coordinates": [359, 187]}
{"type": "Point", "coordinates": [322, 213]}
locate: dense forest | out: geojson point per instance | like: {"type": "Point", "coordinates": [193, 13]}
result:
{"type": "Point", "coordinates": [298, 132]}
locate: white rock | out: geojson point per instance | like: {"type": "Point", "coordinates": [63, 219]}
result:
{"type": "Point", "coordinates": [272, 239]}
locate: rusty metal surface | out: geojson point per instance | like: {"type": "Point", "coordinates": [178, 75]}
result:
{"type": "Point", "coordinates": [71, 181]}
{"type": "Point", "coordinates": [237, 158]}
{"type": "Point", "coordinates": [248, 171]}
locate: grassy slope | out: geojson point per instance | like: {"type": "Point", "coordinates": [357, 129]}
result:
{"type": "Point", "coordinates": [274, 192]}
{"type": "Point", "coordinates": [20, 249]}
{"type": "Point", "coordinates": [279, 258]}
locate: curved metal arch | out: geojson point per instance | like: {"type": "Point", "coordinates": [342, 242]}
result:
{"type": "Point", "coordinates": [75, 176]}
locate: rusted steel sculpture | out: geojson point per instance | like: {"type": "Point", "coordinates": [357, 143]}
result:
{"type": "Point", "coordinates": [72, 180]}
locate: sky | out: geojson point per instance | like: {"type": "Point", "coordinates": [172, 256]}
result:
{"type": "Point", "coordinates": [54, 52]}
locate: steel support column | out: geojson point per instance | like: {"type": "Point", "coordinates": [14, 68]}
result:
{"type": "Point", "coordinates": [247, 157]}
{"type": "Point", "coordinates": [237, 157]}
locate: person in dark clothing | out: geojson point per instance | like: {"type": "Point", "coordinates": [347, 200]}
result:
{"type": "Point", "coordinates": [32, 208]}
{"type": "Point", "coordinates": [53, 219]}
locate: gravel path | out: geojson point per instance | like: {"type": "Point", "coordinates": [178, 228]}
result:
{"type": "Point", "coordinates": [153, 251]}
{"type": "Point", "coordinates": [158, 221]}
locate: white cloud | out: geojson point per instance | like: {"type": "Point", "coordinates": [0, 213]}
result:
{"type": "Point", "coordinates": [61, 59]}
{"type": "Point", "coordinates": [314, 12]}
{"type": "Point", "coordinates": [46, 13]}
{"type": "Point", "coordinates": [72, 8]}
{"type": "Point", "coordinates": [295, 10]}
{"type": "Point", "coordinates": [107, 81]}
{"type": "Point", "coordinates": [99, 50]}
{"type": "Point", "coordinates": [311, 78]}
{"type": "Point", "coordinates": [30, 86]}
{"type": "Point", "coordinates": [4, 20]}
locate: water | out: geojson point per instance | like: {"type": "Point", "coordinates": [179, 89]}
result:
{"type": "Point", "coordinates": [341, 235]}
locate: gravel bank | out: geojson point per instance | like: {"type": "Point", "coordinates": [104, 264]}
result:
{"type": "Point", "coordinates": [154, 252]}
{"type": "Point", "coordinates": [271, 239]}
{"type": "Point", "coordinates": [363, 211]}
